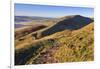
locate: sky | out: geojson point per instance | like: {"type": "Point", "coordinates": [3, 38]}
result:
{"type": "Point", "coordinates": [51, 11]}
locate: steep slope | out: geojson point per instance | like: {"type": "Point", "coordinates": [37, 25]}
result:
{"type": "Point", "coordinates": [77, 46]}
{"type": "Point", "coordinates": [64, 46]}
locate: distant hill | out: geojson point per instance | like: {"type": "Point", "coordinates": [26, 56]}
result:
{"type": "Point", "coordinates": [20, 32]}
{"type": "Point", "coordinates": [69, 23]}
{"type": "Point", "coordinates": [29, 18]}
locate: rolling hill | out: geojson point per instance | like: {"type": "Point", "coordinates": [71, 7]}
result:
{"type": "Point", "coordinates": [70, 39]}
{"type": "Point", "coordinates": [69, 23]}
{"type": "Point", "coordinates": [30, 18]}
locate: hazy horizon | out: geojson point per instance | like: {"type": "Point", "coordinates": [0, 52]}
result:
{"type": "Point", "coordinates": [51, 11]}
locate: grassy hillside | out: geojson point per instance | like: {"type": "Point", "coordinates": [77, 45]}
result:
{"type": "Point", "coordinates": [69, 23]}
{"type": "Point", "coordinates": [60, 46]}
{"type": "Point", "coordinates": [65, 46]}
{"type": "Point", "coordinates": [74, 47]}
{"type": "Point", "coordinates": [20, 32]}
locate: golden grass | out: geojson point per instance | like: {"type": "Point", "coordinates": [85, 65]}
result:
{"type": "Point", "coordinates": [78, 47]}
{"type": "Point", "coordinates": [73, 46]}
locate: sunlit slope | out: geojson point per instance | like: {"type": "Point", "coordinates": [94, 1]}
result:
{"type": "Point", "coordinates": [78, 46]}
{"type": "Point", "coordinates": [64, 46]}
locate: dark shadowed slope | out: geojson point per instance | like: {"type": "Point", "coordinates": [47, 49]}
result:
{"type": "Point", "coordinates": [72, 23]}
